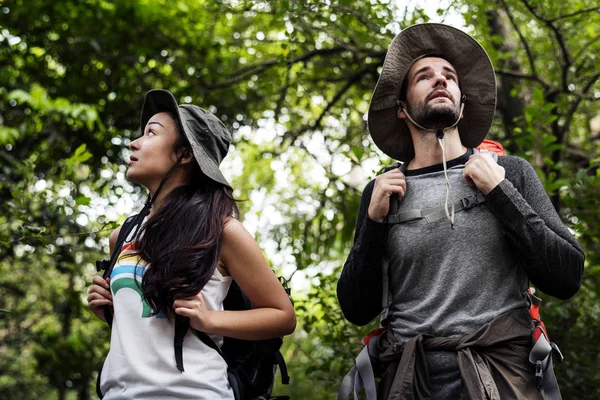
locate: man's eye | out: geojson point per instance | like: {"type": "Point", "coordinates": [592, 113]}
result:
{"type": "Point", "coordinates": [421, 78]}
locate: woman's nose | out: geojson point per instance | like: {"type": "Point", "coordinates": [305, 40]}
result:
{"type": "Point", "coordinates": [134, 145]}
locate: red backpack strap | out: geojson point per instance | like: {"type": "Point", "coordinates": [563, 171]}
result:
{"type": "Point", "coordinates": [492, 146]}
{"type": "Point", "coordinates": [543, 351]}
{"type": "Point", "coordinates": [362, 375]}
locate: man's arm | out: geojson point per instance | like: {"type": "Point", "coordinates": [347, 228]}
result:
{"type": "Point", "coordinates": [359, 289]}
{"type": "Point", "coordinates": [546, 250]}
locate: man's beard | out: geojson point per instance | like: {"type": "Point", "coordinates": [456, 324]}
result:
{"type": "Point", "coordinates": [435, 117]}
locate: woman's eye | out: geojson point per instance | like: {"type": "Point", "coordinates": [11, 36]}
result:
{"type": "Point", "coordinates": [151, 133]}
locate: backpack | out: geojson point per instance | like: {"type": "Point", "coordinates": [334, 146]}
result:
{"type": "Point", "coordinates": [251, 364]}
{"type": "Point", "coordinates": [367, 365]}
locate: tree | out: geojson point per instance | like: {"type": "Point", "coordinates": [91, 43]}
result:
{"type": "Point", "coordinates": [293, 80]}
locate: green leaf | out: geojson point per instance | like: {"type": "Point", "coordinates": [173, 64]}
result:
{"type": "Point", "coordinates": [8, 135]}
{"type": "Point", "coordinates": [83, 201]}
{"type": "Point", "coordinates": [80, 150]}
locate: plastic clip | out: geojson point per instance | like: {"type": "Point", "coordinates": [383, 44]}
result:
{"type": "Point", "coordinates": [539, 374]}
{"type": "Point", "coordinates": [102, 265]}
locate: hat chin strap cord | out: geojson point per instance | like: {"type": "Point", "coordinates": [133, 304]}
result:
{"type": "Point", "coordinates": [148, 205]}
{"type": "Point", "coordinates": [439, 133]}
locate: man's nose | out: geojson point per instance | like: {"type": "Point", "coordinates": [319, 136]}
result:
{"type": "Point", "coordinates": [440, 80]}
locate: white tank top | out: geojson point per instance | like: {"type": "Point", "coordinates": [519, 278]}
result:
{"type": "Point", "coordinates": [141, 360]}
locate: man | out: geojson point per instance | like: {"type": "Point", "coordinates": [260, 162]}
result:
{"type": "Point", "coordinates": [454, 271]}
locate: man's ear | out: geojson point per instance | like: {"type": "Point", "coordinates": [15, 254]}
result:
{"type": "Point", "coordinates": [400, 113]}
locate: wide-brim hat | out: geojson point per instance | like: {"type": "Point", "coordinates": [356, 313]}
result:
{"type": "Point", "coordinates": [208, 136]}
{"type": "Point", "coordinates": [475, 74]}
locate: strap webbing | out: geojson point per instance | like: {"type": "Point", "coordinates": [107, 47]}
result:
{"type": "Point", "coordinates": [285, 377]}
{"type": "Point", "coordinates": [551, 388]}
{"type": "Point", "coordinates": [182, 325]}
{"type": "Point", "coordinates": [361, 375]}
{"type": "Point", "coordinates": [436, 213]}
{"type": "Point", "coordinates": [127, 227]}
{"type": "Point", "coordinates": [108, 266]}
{"type": "Point", "coordinates": [210, 343]}
{"type": "Point", "coordinates": [98, 391]}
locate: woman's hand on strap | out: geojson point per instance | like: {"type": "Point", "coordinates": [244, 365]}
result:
{"type": "Point", "coordinates": [99, 295]}
{"type": "Point", "coordinates": [195, 309]}
{"type": "Point", "coordinates": [272, 314]}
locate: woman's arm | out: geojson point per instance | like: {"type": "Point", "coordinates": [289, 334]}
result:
{"type": "Point", "coordinates": [273, 314]}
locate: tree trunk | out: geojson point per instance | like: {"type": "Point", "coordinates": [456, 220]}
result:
{"type": "Point", "coordinates": [510, 107]}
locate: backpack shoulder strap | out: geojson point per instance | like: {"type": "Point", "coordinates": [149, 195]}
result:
{"type": "Point", "coordinates": [492, 153]}
{"type": "Point", "coordinates": [393, 210]}
{"type": "Point", "coordinates": [123, 233]}
{"type": "Point", "coordinates": [435, 213]}
{"type": "Point", "coordinates": [210, 343]}
{"type": "Point", "coordinates": [108, 265]}
{"type": "Point", "coordinates": [394, 204]}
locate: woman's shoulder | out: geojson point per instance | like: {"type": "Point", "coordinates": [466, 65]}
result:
{"type": "Point", "coordinates": [234, 231]}
{"type": "Point", "coordinates": [232, 224]}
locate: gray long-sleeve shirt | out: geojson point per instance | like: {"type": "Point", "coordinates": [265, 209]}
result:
{"type": "Point", "coordinates": [452, 281]}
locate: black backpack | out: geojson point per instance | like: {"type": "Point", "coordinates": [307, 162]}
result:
{"type": "Point", "coordinates": [252, 364]}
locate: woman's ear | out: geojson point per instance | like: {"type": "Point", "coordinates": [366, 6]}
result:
{"type": "Point", "coordinates": [188, 156]}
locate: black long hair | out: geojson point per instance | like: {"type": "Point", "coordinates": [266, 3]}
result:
{"type": "Point", "coordinates": [181, 242]}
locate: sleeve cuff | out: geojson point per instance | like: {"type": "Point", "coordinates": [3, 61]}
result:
{"type": "Point", "coordinates": [373, 231]}
{"type": "Point", "coordinates": [505, 201]}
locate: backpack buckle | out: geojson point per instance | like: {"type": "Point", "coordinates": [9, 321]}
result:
{"type": "Point", "coordinates": [467, 203]}
{"type": "Point", "coordinates": [102, 265]}
{"type": "Point", "coordinates": [471, 201]}
{"type": "Point", "coordinates": [539, 374]}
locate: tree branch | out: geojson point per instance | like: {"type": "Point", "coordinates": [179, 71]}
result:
{"type": "Point", "coordinates": [521, 38]}
{"type": "Point", "coordinates": [294, 135]}
{"type": "Point", "coordinates": [521, 75]}
{"type": "Point", "coordinates": [55, 236]}
{"type": "Point", "coordinates": [573, 14]}
{"type": "Point", "coordinates": [340, 42]}
{"type": "Point", "coordinates": [585, 48]}
{"type": "Point", "coordinates": [591, 82]}
{"type": "Point", "coordinates": [571, 113]}
{"type": "Point", "coordinates": [587, 87]}
{"type": "Point", "coordinates": [250, 70]}
{"type": "Point", "coordinates": [367, 24]}
{"type": "Point", "coordinates": [282, 94]}
{"type": "Point", "coordinates": [559, 38]}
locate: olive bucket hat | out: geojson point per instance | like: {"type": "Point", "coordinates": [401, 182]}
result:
{"type": "Point", "coordinates": [208, 136]}
{"type": "Point", "coordinates": [475, 74]}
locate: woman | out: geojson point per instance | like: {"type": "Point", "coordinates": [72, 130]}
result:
{"type": "Point", "coordinates": [188, 250]}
